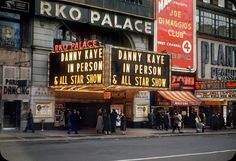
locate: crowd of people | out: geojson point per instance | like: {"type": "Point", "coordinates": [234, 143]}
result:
{"type": "Point", "coordinates": [160, 120]}
{"type": "Point", "coordinates": [163, 120]}
{"type": "Point", "coordinates": [106, 121]}
{"type": "Point", "coordinates": [70, 120]}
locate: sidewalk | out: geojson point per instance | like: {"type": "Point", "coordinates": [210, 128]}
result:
{"type": "Point", "coordinates": [89, 134]}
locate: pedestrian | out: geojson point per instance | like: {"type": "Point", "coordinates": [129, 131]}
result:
{"type": "Point", "coordinates": [221, 121]}
{"type": "Point", "coordinates": [62, 120]}
{"type": "Point", "coordinates": [106, 122]}
{"type": "Point", "coordinates": [229, 119]}
{"type": "Point", "coordinates": [100, 111]}
{"type": "Point", "coordinates": [203, 118]}
{"type": "Point", "coordinates": [234, 118]}
{"type": "Point", "coordinates": [68, 121]}
{"type": "Point", "coordinates": [114, 115]}
{"type": "Point", "coordinates": [166, 120]}
{"type": "Point", "coordinates": [66, 117]}
{"type": "Point", "coordinates": [158, 120]}
{"type": "Point", "coordinates": [177, 122]}
{"type": "Point", "coordinates": [215, 121]}
{"type": "Point", "coordinates": [79, 119]}
{"type": "Point", "coordinates": [152, 119]}
{"type": "Point", "coordinates": [123, 123]}
{"type": "Point", "coordinates": [30, 121]}
{"type": "Point", "coordinates": [74, 120]}
{"type": "Point", "coordinates": [99, 126]}
{"type": "Point", "coordinates": [198, 123]}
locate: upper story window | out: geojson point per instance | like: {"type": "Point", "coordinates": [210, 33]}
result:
{"type": "Point", "coordinates": [233, 28]}
{"type": "Point", "coordinates": [207, 23]}
{"type": "Point", "coordinates": [216, 24]}
{"type": "Point", "coordinates": [221, 3]}
{"type": "Point", "coordinates": [9, 30]}
{"type": "Point", "coordinates": [222, 26]}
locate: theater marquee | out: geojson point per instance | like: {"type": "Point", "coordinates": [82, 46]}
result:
{"type": "Point", "coordinates": [76, 67]}
{"type": "Point", "coordinates": [139, 69]}
{"type": "Point", "coordinates": [109, 67]}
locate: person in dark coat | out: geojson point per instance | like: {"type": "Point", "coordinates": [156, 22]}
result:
{"type": "Point", "coordinates": [68, 121]}
{"type": "Point", "coordinates": [30, 121]}
{"type": "Point", "coordinates": [152, 119]}
{"type": "Point", "coordinates": [221, 122]}
{"type": "Point", "coordinates": [215, 121]}
{"type": "Point", "coordinates": [123, 123]}
{"type": "Point", "coordinates": [73, 120]}
{"type": "Point", "coordinates": [106, 122]}
{"type": "Point", "coordinates": [159, 120]}
{"type": "Point", "coordinates": [229, 119]}
{"type": "Point", "coordinates": [113, 120]}
{"type": "Point", "coordinates": [234, 118]}
{"type": "Point", "coordinates": [66, 117]}
{"type": "Point", "coordinates": [79, 118]}
{"type": "Point", "coordinates": [166, 121]}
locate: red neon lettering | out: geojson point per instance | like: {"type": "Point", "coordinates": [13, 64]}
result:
{"type": "Point", "coordinates": [56, 48]}
{"type": "Point", "coordinates": [65, 46]}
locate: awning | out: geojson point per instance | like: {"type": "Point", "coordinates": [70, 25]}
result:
{"type": "Point", "coordinates": [180, 98]}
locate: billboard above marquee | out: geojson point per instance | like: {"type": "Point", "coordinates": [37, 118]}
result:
{"type": "Point", "coordinates": [76, 67]}
{"type": "Point", "coordinates": [175, 32]}
{"type": "Point", "coordinates": [133, 68]}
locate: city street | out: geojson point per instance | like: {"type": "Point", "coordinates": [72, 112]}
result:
{"type": "Point", "coordinates": [181, 148]}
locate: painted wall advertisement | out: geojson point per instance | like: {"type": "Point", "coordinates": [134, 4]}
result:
{"type": "Point", "coordinates": [16, 83]}
{"type": "Point", "coordinates": [217, 60]}
{"type": "Point", "coordinates": [175, 32]}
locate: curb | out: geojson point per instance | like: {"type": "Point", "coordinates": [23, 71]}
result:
{"type": "Point", "coordinates": [65, 139]}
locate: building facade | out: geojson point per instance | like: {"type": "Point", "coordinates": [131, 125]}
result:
{"type": "Point", "coordinates": [216, 56]}
{"type": "Point", "coordinates": [58, 24]}
{"type": "Point", "coordinates": [15, 63]}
